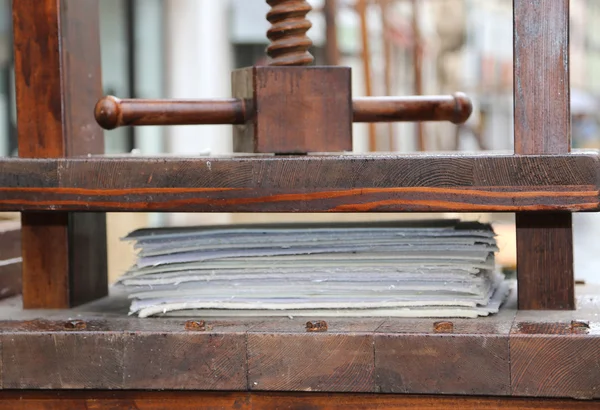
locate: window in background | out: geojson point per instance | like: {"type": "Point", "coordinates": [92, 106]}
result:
{"type": "Point", "coordinates": [8, 129]}
{"type": "Point", "coordinates": [116, 48]}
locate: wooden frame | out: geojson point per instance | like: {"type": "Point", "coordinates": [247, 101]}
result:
{"type": "Point", "coordinates": [62, 193]}
{"type": "Point", "coordinates": [57, 76]}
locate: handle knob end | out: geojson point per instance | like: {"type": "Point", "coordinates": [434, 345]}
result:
{"type": "Point", "coordinates": [108, 112]}
{"type": "Point", "coordinates": [463, 108]}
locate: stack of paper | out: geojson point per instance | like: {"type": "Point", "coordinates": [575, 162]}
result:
{"type": "Point", "coordinates": [420, 269]}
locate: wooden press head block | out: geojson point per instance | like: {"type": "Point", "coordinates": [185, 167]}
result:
{"type": "Point", "coordinates": [294, 110]}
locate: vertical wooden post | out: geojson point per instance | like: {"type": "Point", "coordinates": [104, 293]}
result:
{"type": "Point", "coordinates": [543, 126]}
{"type": "Point", "coordinates": [418, 67]}
{"type": "Point", "coordinates": [385, 10]}
{"type": "Point", "coordinates": [332, 50]}
{"type": "Point", "coordinates": [362, 9]}
{"type": "Point", "coordinates": [58, 81]}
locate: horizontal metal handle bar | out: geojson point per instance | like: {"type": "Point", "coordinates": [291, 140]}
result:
{"type": "Point", "coordinates": [112, 112]}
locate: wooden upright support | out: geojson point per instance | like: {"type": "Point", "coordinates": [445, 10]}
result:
{"type": "Point", "coordinates": [58, 81]}
{"type": "Point", "coordinates": [543, 126]}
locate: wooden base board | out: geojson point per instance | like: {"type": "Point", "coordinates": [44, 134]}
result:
{"type": "Point", "coordinates": [97, 347]}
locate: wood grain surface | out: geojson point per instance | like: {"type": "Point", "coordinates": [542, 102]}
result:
{"type": "Point", "coordinates": [543, 126]}
{"type": "Point", "coordinates": [428, 183]}
{"type": "Point", "coordinates": [529, 353]}
{"type": "Point", "coordinates": [58, 80]}
{"type": "Point", "coordinates": [295, 110]}
{"type": "Point", "coordinates": [80, 400]}
{"type": "Point", "coordinates": [557, 354]}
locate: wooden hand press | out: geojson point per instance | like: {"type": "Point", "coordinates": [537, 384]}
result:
{"type": "Point", "coordinates": [288, 107]}
{"type": "Point", "coordinates": [62, 185]}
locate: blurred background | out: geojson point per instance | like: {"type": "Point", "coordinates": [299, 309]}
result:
{"type": "Point", "coordinates": [187, 49]}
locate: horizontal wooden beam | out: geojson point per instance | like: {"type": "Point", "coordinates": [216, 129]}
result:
{"type": "Point", "coordinates": [524, 354]}
{"type": "Point", "coordinates": [384, 183]}
{"type": "Point", "coordinates": [151, 400]}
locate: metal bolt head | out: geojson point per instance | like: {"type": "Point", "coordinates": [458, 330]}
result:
{"type": "Point", "coordinates": [443, 327]}
{"type": "Point", "coordinates": [316, 326]}
{"type": "Point", "coordinates": [195, 325]}
{"type": "Point", "coordinates": [75, 325]}
{"type": "Point", "coordinates": [580, 326]}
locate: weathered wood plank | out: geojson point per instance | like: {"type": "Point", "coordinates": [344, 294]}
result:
{"type": "Point", "coordinates": [186, 361]}
{"type": "Point", "coordinates": [543, 126]}
{"type": "Point", "coordinates": [366, 356]}
{"type": "Point", "coordinates": [273, 184]}
{"type": "Point", "coordinates": [440, 364]}
{"type": "Point", "coordinates": [457, 356]}
{"type": "Point", "coordinates": [311, 362]}
{"type": "Point", "coordinates": [557, 354]}
{"type": "Point", "coordinates": [103, 349]}
{"type": "Point", "coordinates": [285, 355]}
{"type": "Point", "coordinates": [52, 360]}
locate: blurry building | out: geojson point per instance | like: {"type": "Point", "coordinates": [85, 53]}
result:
{"type": "Point", "coordinates": [187, 49]}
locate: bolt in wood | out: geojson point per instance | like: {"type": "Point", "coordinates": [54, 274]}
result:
{"type": "Point", "coordinates": [316, 326]}
{"type": "Point", "coordinates": [195, 325]}
{"type": "Point", "coordinates": [443, 327]}
{"type": "Point", "coordinates": [75, 325]}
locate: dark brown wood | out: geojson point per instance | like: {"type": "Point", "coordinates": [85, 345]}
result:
{"type": "Point", "coordinates": [543, 126]}
{"type": "Point", "coordinates": [546, 280]}
{"type": "Point", "coordinates": [121, 354]}
{"type": "Point", "coordinates": [550, 366]}
{"type": "Point", "coordinates": [557, 354]}
{"type": "Point", "coordinates": [456, 109]}
{"type": "Point", "coordinates": [432, 183]}
{"type": "Point", "coordinates": [289, 25]}
{"type": "Point", "coordinates": [57, 68]}
{"type": "Point", "coordinates": [97, 346]}
{"type": "Point", "coordinates": [436, 364]}
{"type": "Point", "coordinates": [73, 361]}
{"type": "Point", "coordinates": [283, 356]}
{"type": "Point", "coordinates": [416, 356]}
{"type": "Point", "coordinates": [112, 112]}
{"type": "Point", "coordinates": [196, 360]}
{"type": "Point", "coordinates": [84, 400]}
{"type": "Point", "coordinates": [300, 109]}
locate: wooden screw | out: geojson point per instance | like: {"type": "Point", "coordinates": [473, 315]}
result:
{"type": "Point", "coordinates": [289, 25]}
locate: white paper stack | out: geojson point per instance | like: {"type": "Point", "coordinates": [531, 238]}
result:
{"type": "Point", "coordinates": [419, 269]}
